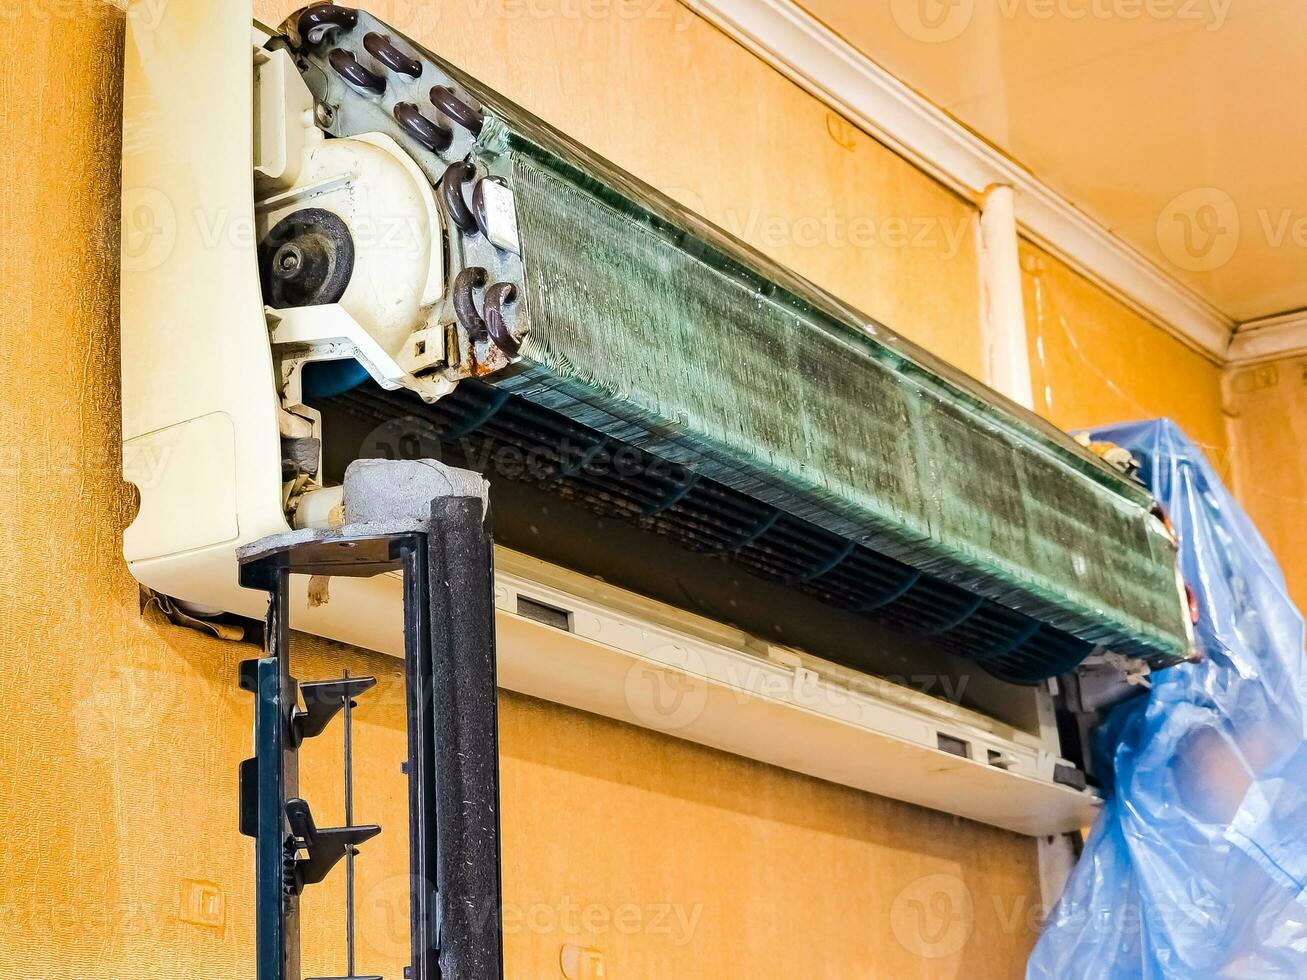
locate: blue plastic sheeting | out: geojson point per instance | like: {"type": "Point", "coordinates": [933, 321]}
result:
{"type": "Point", "coordinates": [1197, 864]}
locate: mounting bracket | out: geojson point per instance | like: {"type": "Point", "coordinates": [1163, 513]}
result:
{"type": "Point", "coordinates": [452, 767]}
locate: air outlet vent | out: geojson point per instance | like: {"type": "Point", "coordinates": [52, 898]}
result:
{"type": "Point", "coordinates": [953, 746]}
{"type": "Point", "coordinates": [516, 439]}
{"type": "Point", "coordinates": [529, 608]}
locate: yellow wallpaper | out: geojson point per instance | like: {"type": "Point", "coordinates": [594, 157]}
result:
{"type": "Point", "coordinates": [122, 733]}
{"type": "Point", "coordinates": [1268, 407]}
{"type": "Point", "coordinates": [1094, 361]}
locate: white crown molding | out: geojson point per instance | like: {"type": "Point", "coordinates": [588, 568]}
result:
{"type": "Point", "coordinates": [810, 54]}
{"type": "Point", "coordinates": [1269, 338]}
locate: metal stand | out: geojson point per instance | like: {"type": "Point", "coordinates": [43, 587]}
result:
{"type": "Point", "coordinates": [452, 741]}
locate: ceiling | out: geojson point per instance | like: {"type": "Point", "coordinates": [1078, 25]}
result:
{"type": "Point", "coordinates": [1180, 125]}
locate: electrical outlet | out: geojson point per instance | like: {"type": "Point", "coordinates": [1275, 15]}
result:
{"type": "Point", "coordinates": [580, 963]}
{"type": "Point", "coordinates": [201, 903]}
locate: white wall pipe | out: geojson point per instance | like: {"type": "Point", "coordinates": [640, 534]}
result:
{"type": "Point", "coordinates": [1007, 356]}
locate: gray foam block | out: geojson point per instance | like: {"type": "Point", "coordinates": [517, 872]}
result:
{"type": "Point", "coordinates": [382, 490]}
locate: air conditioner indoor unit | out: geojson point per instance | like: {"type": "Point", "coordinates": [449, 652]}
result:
{"type": "Point", "coordinates": [337, 246]}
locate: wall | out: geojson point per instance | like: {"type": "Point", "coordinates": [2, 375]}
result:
{"type": "Point", "coordinates": [123, 733]}
{"type": "Point", "coordinates": [1093, 361]}
{"type": "Point", "coordinates": [1268, 410]}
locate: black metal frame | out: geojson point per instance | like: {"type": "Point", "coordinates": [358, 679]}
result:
{"type": "Point", "coordinates": [452, 720]}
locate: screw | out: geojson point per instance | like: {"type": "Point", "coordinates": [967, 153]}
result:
{"type": "Point", "coordinates": [288, 261]}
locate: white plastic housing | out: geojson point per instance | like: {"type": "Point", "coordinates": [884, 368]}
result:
{"type": "Point", "coordinates": [201, 442]}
